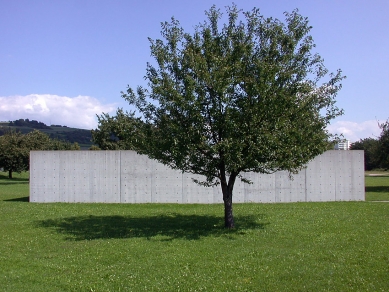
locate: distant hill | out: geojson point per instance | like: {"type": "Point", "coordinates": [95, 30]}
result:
{"type": "Point", "coordinates": [64, 133]}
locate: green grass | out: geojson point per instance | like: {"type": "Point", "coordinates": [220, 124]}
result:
{"type": "Point", "coordinates": [338, 246]}
{"type": "Point", "coordinates": [377, 186]}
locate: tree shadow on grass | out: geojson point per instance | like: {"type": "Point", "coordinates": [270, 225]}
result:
{"type": "Point", "coordinates": [169, 226]}
{"type": "Point", "coordinates": [4, 180]}
{"type": "Point", "coordinates": [21, 199]}
{"type": "Point", "coordinates": [12, 182]}
{"type": "Point", "coordinates": [377, 189]}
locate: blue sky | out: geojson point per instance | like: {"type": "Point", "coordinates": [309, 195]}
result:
{"type": "Point", "coordinates": [64, 61]}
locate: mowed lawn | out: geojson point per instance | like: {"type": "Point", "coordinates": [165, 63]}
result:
{"type": "Point", "coordinates": [377, 186]}
{"type": "Point", "coordinates": [337, 246]}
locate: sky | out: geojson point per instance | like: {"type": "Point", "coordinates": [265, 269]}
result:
{"type": "Point", "coordinates": [66, 61]}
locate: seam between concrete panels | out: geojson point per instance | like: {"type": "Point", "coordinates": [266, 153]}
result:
{"type": "Point", "coordinates": [305, 193]}
{"type": "Point", "coordinates": [120, 177]}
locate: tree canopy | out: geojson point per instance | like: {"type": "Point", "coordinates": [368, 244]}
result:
{"type": "Point", "coordinates": [376, 150]}
{"type": "Point", "coordinates": [13, 153]}
{"type": "Point", "coordinates": [115, 133]}
{"type": "Point", "coordinates": [245, 96]}
{"type": "Point", "coordinates": [383, 141]}
{"type": "Point", "coordinates": [371, 151]}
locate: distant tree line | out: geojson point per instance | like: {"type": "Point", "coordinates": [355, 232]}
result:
{"type": "Point", "coordinates": [15, 148]}
{"type": "Point", "coordinates": [64, 133]}
{"type": "Point", "coordinates": [376, 150]}
{"type": "Point", "coordinates": [30, 124]}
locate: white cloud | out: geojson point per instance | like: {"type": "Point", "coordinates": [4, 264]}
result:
{"type": "Point", "coordinates": [355, 131]}
{"type": "Point", "coordinates": [78, 112]}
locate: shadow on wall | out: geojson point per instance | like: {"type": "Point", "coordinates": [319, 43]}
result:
{"type": "Point", "coordinates": [169, 226]}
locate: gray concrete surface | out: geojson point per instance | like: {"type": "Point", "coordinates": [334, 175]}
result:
{"type": "Point", "coordinates": [126, 177]}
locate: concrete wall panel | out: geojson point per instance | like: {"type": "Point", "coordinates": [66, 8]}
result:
{"type": "Point", "coordinates": [105, 176]}
{"type": "Point", "coordinates": [262, 188]}
{"type": "Point", "coordinates": [194, 193]}
{"type": "Point", "coordinates": [350, 177]}
{"type": "Point", "coordinates": [166, 184]}
{"type": "Point", "coordinates": [238, 191]}
{"type": "Point", "coordinates": [320, 178]}
{"type": "Point", "coordinates": [357, 161]}
{"type": "Point", "coordinates": [289, 189]}
{"type": "Point", "coordinates": [75, 176]}
{"type": "Point", "coordinates": [136, 179]}
{"type": "Point", "coordinates": [44, 177]}
{"type": "Point", "coordinates": [98, 177]}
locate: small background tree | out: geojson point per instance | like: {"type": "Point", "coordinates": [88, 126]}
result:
{"type": "Point", "coordinates": [13, 152]}
{"type": "Point", "coordinates": [245, 96]}
{"type": "Point", "coordinates": [15, 149]}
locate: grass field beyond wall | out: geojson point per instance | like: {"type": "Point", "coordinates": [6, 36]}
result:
{"type": "Point", "coordinates": [377, 186]}
{"type": "Point", "coordinates": [337, 246]}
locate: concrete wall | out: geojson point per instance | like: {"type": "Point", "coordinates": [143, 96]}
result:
{"type": "Point", "coordinates": [126, 177]}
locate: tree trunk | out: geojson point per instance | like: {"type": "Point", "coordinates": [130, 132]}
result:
{"type": "Point", "coordinates": [227, 198]}
{"type": "Point", "coordinates": [10, 173]}
{"type": "Point", "coordinates": [228, 215]}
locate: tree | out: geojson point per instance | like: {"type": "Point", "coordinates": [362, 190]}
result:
{"type": "Point", "coordinates": [246, 96]}
{"type": "Point", "coordinates": [94, 147]}
{"type": "Point", "coordinates": [13, 152]}
{"type": "Point", "coordinates": [383, 141]}
{"type": "Point", "coordinates": [37, 140]}
{"type": "Point", "coordinates": [376, 150]}
{"type": "Point", "coordinates": [56, 144]}
{"type": "Point", "coordinates": [371, 152]}
{"type": "Point", "coordinates": [114, 133]}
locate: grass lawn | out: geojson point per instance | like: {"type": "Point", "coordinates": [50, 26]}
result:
{"type": "Point", "coordinates": [377, 186]}
{"type": "Point", "coordinates": [337, 246]}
